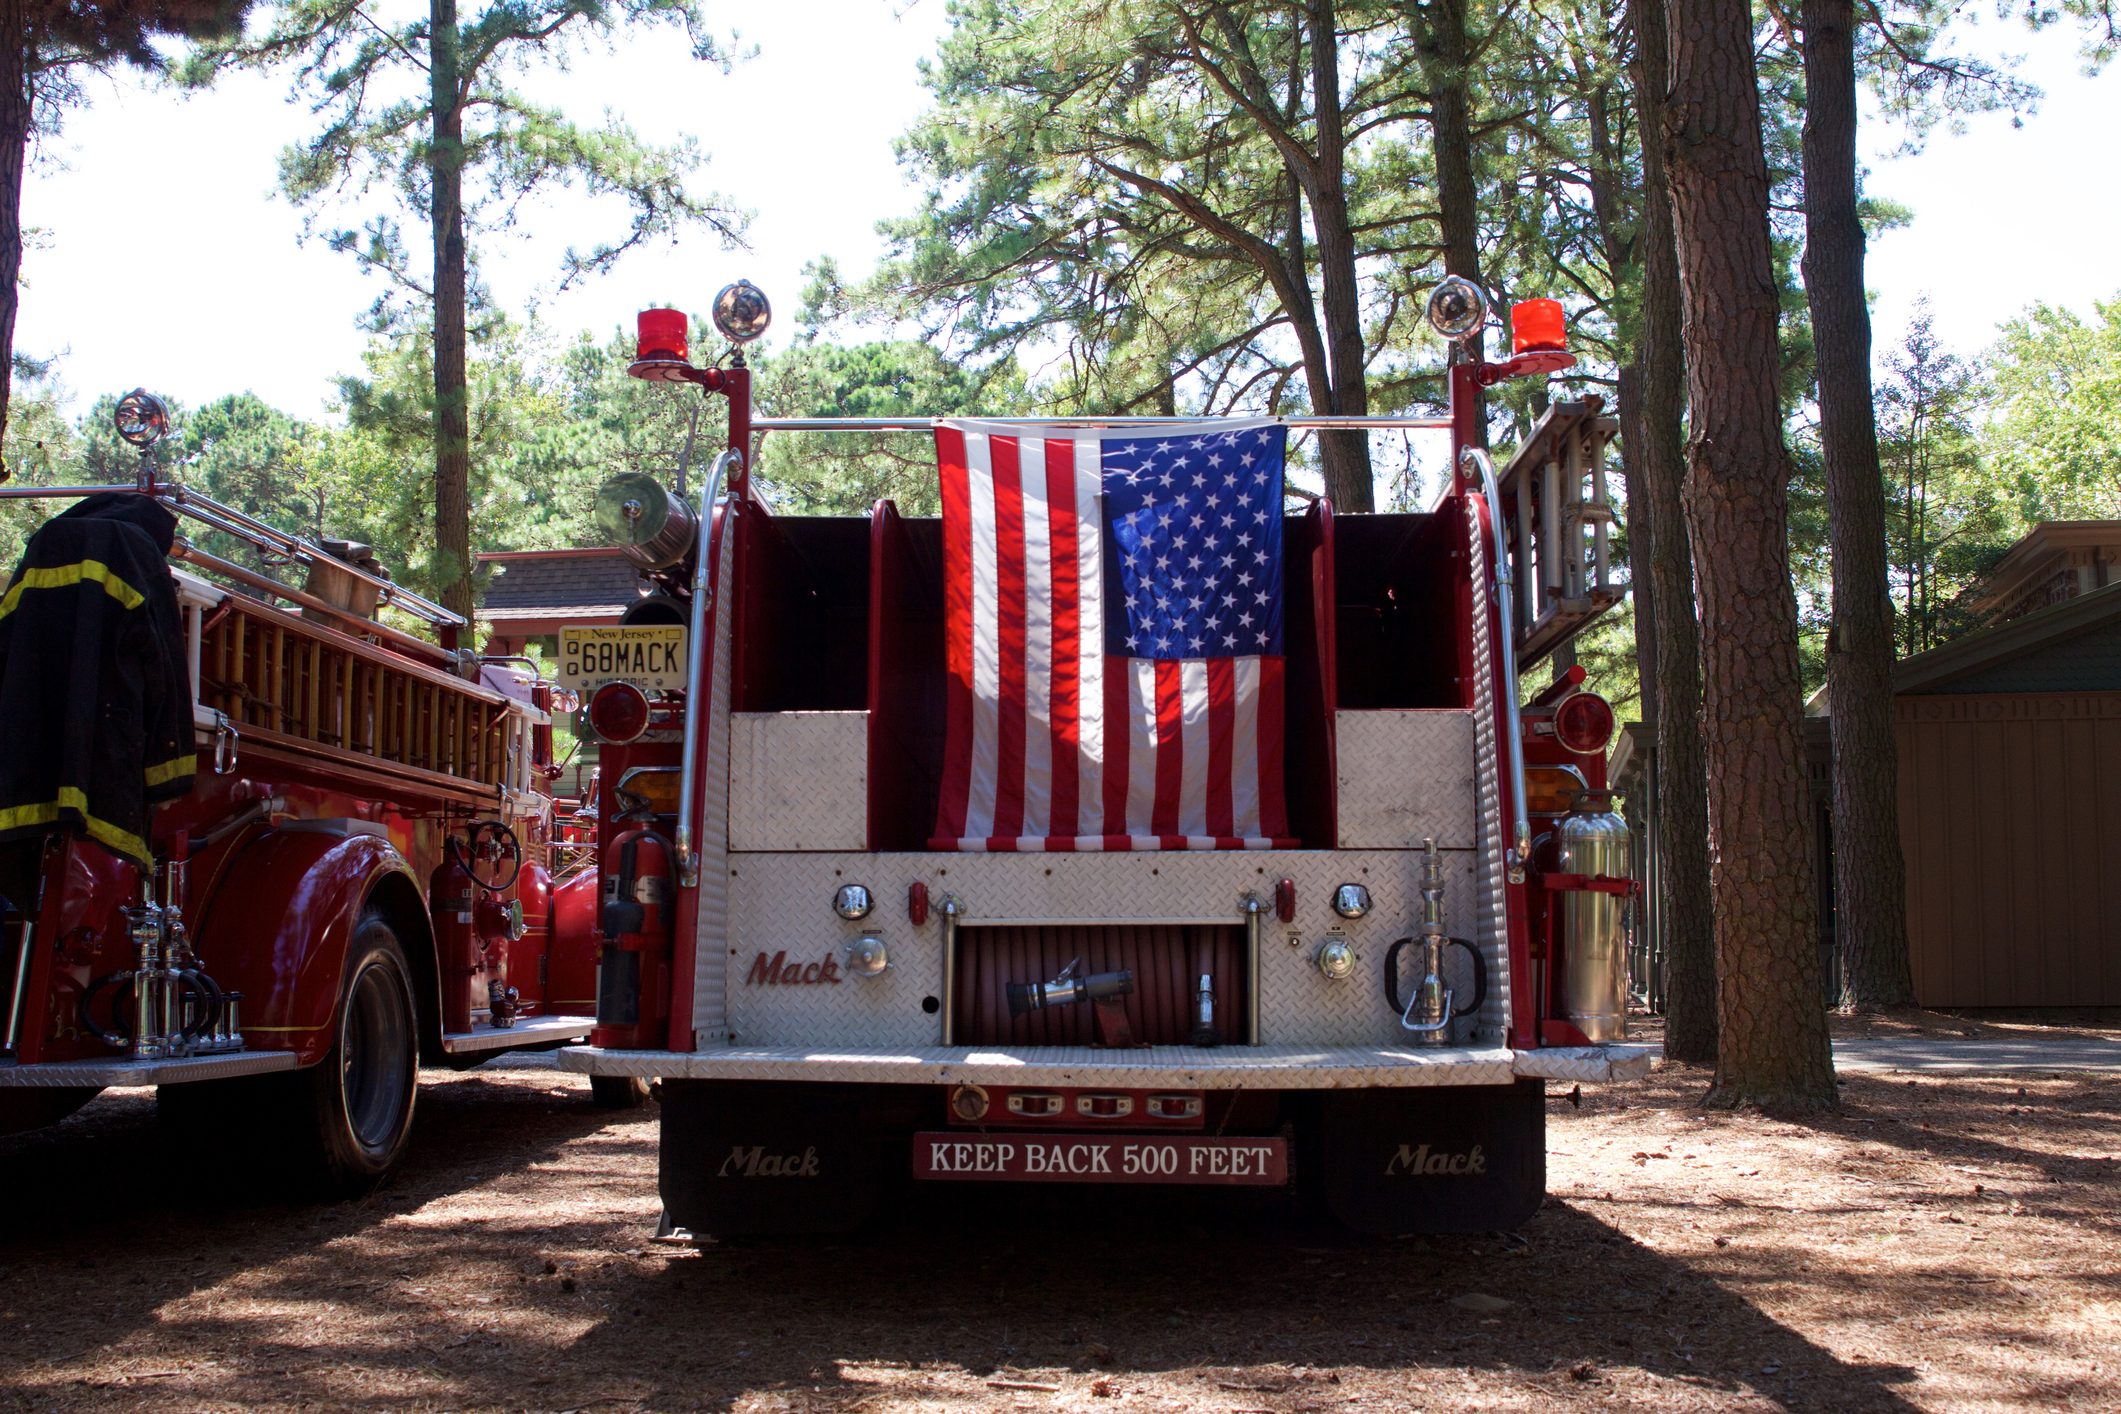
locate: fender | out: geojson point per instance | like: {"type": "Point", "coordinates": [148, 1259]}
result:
{"type": "Point", "coordinates": [277, 928]}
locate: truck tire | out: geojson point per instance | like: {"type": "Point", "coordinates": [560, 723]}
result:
{"type": "Point", "coordinates": [357, 1104]}
{"type": "Point", "coordinates": [618, 1092]}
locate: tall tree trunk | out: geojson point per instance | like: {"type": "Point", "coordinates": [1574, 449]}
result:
{"type": "Point", "coordinates": [1870, 902]}
{"type": "Point", "coordinates": [452, 421]}
{"type": "Point", "coordinates": [1689, 925]}
{"type": "Point", "coordinates": [15, 113]}
{"type": "Point", "coordinates": [1338, 285]}
{"type": "Point", "coordinates": [1772, 1013]}
{"type": "Point", "coordinates": [1444, 51]}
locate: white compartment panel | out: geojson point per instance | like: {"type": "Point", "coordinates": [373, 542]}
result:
{"type": "Point", "coordinates": [1405, 776]}
{"type": "Point", "coordinates": [799, 780]}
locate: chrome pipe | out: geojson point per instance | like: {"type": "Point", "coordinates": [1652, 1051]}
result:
{"type": "Point", "coordinates": [31, 493]}
{"type": "Point", "coordinates": [950, 909]}
{"type": "Point", "coordinates": [696, 669]}
{"type": "Point", "coordinates": [19, 994]}
{"type": "Point", "coordinates": [929, 424]}
{"type": "Point", "coordinates": [183, 549]}
{"type": "Point", "coordinates": [250, 527]}
{"type": "Point", "coordinates": [1513, 728]}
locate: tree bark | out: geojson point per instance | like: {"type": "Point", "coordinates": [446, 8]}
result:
{"type": "Point", "coordinates": [1444, 51]}
{"type": "Point", "coordinates": [16, 109]}
{"type": "Point", "coordinates": [1347, 453]}
{"type": "Point", "coordinates": [1870, 903]}
{"type": "Point", "coordinates": [1771, 1007]}
{"type": "Point", "coordinates": [1657, 431]}
{"type": "Point", "coordinates": [452, 420]}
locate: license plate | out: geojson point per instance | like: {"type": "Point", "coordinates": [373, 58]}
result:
{"type": "Point", "coordinates": [650, 656]}
{"type": "Point", "coordinates": [1099, 1158]}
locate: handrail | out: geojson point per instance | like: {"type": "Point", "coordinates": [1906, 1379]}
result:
{"type": "Point", "coordinates": [696, 668]}
{"type": "Point", "coordinates": [244, 526]}
{"type": "Point", "coordinates": [1513, 728]}
{"type": "Point", "coordinates": [929, 424]}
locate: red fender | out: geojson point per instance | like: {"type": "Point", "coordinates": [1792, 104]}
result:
{"type": "Point", "coordinates": [277, 929]}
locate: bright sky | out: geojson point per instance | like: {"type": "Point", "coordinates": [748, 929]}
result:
{"type": "Point", "coordinates": [164, 258]}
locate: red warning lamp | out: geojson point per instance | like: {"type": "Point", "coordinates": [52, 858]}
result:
{"type": "Point", "coordinates": [619, 712]}
{"type": "Point", "coordinates": [1536, 325]}
{"type": "Point", "coordinates": [662, 334]}
{"type": "Point", "coordinates": [1583, 723]}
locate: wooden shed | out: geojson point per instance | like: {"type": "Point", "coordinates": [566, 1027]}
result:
{"type": "Point", "coordinates": [2010, 809]}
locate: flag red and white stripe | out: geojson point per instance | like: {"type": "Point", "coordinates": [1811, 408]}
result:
{"type": "Point", "coordinates": [1053, 742]}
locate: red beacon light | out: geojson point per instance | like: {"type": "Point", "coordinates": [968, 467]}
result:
{"type": "Point", "coordinates": [1583, 723]}
{"type": "Point", "coordinates": [618, 713]}
{"type": "Point", "coordinates": [1538, 326]}
{"type": "Point", "coordinates": [661, 335]}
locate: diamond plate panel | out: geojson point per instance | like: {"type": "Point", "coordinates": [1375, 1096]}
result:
{"type": "Point", "coordinates": [1235, 1068]}
{"type": "Point", "coordinates": [1405, 776]}
{"type": "Point", "coordinates": [114, 1074]}
{"type": "Point", "coordinates": [799, 780]}
{"type": "Point", "coordinates": [781, 906]}
{"type": "Point", "coordinates": [711, 929]}
{"type": "Point", "coordinates": [1491, 911]}
{"type": "Point", "coordinates": [1588, 1063]}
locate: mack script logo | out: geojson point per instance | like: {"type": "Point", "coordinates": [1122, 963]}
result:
{"type": "Point", "coordinates": [780, 972]}
{"type": "Point", "coordinates": [1420, 1160]}
{"type": "Point", "coordinates": [752, 1161]}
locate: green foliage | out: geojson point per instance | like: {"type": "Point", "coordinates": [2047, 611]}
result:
{"type": "Point", "coordinates": [366, 82]}
{"type": "Point", "coordinates": [2054, 433]}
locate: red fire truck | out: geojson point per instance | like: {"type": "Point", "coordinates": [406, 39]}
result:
{"type": "Point", "coordinates": [838, 999]}
{"type": "Point", "coordinates": [343, 870]}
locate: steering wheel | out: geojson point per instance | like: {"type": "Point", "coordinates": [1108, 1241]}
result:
{"type": "Point", "coordinates": [488, 853]}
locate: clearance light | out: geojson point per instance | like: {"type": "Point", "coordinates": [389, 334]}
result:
{"type": "Point", "coordinates": [1174, 1106]}
{"type": "Point", "coordinates": [1538, 325]}
{"type": "Point", "coordinates": [1584, 723]}
{"type": "Point", "coordinates": [1551, 790]}
{"type": "Point", "coordinates": [618, 713]}
{"type": "Point", "coordinates": [1104, 1106]}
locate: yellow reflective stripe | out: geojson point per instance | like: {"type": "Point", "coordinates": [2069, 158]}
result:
{"type": "Point", "coordinates": [101, 831]}
{"type": "Point", "coordinates": [162, 775]}
{"type": "Point", "coordinates": [61, 576]}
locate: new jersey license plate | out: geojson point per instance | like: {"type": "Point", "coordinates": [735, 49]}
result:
{"type": "Point", "coordinates": [1099, 1158]}
{"type": "Point", "coordinates": [650, 656]}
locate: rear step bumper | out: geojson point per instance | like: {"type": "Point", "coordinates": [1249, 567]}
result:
{"type": "Point", "coordinates": [119, 1074]}
{"type": "Point", "coordinates": [1182, 1067]}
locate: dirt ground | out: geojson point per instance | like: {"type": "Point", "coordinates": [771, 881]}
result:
{"type": "Point", "coordinates": [1942, 1244]}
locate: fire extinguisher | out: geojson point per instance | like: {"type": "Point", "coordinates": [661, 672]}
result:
{"type": "Point", "coordinates": [451, 896]}
{"type": "Point", "coordinates": [633, 979]}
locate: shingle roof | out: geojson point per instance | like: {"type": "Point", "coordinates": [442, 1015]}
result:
{"type": "Point", "coordinates": [557, 583]}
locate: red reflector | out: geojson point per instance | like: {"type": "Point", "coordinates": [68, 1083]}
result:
{"type": "Point", "coordinates": [1584, 723]}
{"type": "Point", "coordinates": [662, 334]}
{"type": "Point", "coordinates": [619, 712]}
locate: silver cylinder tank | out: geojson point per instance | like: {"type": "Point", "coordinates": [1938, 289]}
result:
{"type": "Point", "coordinates": [653, 527]}
{"type": "Point", "coordinates": [1594, 979]}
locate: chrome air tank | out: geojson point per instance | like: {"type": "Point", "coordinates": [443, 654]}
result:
{"type": "Point", "coordinates": [1594, 980]}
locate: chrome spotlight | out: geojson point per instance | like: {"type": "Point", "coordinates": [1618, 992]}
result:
{"type": "Point", "coordinates": [1457, 308]}
{"type": "Point", "coordinates": [142, 418]}
{"type": "Point", "coordinates": [742, 312]}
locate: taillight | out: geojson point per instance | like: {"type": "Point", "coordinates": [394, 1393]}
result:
{"type": "Point", "coordinates": [1584, 722]}
{"type": "Point", "coordinates": [619, 712]}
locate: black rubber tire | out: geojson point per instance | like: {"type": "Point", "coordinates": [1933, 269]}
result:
{"type": "Point", "coordinates": [357, 1104]}
{"type": "Point", "coordinates": [618, 1092]}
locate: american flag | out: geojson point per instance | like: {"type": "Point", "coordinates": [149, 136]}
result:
{"type": "Point", "coordinates": [1113, 608]}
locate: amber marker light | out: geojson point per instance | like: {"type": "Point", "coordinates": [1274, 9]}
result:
{"type": "Point", "coordinates": [1538, 326]}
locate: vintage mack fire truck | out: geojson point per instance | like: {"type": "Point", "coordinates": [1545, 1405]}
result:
{"type": "Point", "coordinates": [983, 848]}
{"type": "Point", "coordinates": [260, 846]}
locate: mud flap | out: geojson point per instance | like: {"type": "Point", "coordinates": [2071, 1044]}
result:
{"type": "Point", "coordinates": [1464, 1159]}
{"type": "Point", "coordinates": [762, 1158]}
